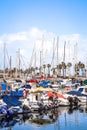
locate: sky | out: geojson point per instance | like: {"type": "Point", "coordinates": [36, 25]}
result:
{"type": "Point", "coordinates": [29, 25]}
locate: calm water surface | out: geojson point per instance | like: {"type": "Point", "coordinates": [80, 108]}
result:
{"type": "Point", "coordinates": [59, 119]}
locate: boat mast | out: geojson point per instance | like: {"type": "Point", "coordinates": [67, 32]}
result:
{"type": "Point", "coordinates": [69, 57]}
{"type": "Point", "coordinates": [57, 53]}
{"type": "Point", "coordinates": [19, 62]}
{"type": "Point", "coordinates": [64, 52]}
{"type": "Point", "coordinates": [53, 51]}
{"type": "Point", "coordinates": [57, 50]}
{"type": "Point", "coordinates": [10, 62]}
{"type": "Point", "coordinates": [16, 63]}
{"type": "Point", "coordinates": [35, 56]}
{"type": "Point", "coordinates": [64, 57]}
{"type": "Point", "coordinates": [86, 68]}
{"type": "Point", "coordinates": [4, 58]}
{"type": "Point", "coordinates": [42, 53]}
{"type": "Point", "coordinates": [75, 56]}
{"type": "Point", "coordinates": [40, 62]}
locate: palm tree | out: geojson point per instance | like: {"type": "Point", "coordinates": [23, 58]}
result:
{"type": "Point", "coordinates": [36, 68]}
{"type": "Point", "coordinates": [57, 67]}
{"type": "Point", "coordinates": [82, 69]}
{"type": "Point", "coordinates": [40, 70]}
{"type": "Point", "coordinates": [13, 71]}
{"type": "Point", "coordinates": [76, 69]}
{"type": "Point", "coordinates": [81, 66]}
{"type": "Point", "coordinates": [28, 70]}
{"type": "Point", "coordinates": [48, 66]}
{"type": "Point", "coordinates": [60, 68]}
{"type": "Point", "coordinates": [44, 67]}
{"type": "Point", "coordinates": [64, 68]}
{"type": "Point", "coordinates": [53, 71]}
{"type": "Point", "coordinates": [32, 70]}
{"type": "Point", "coordinates": [69, 64]}
{"type": "Point", "coordinates": [6, 70]}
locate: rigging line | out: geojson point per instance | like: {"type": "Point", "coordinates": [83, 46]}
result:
{"type": "Point", "coordinates": [23, 61]}
{"type": "Point", "coordinates": [30, 64]}
{"type": "Point", "coordinates": [26, 59]}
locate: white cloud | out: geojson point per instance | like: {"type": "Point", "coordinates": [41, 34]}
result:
{"type": "Point", "coordinates": [72, 37]}
{"type": "Point", "coordinates": [26, 40]}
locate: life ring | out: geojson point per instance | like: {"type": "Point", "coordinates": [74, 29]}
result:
{"type": "Point", "coordinates": [8, 88]}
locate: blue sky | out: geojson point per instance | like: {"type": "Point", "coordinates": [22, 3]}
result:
{"type": "Point", "coordinates": [58, 16]}
{"type": "Point", "coordinates": [23, 22]}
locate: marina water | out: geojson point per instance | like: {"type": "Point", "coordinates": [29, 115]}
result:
{"type": "Point", "coordinates": [62, 118]}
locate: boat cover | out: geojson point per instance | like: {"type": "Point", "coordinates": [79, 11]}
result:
{"type": "Point", "coordinates": [76, 93]}
{"type": "Point", "coordinates": [11, 101]}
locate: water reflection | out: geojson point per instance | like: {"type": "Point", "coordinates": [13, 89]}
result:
{"type": "Point", "coordinates": [83, 109]}
{"type": "Point", "coordinates": [43, 118]}
{"type": "Point", "coordinates": [7, 123]}
{"type": "Point", "coordinates": [10, 122]}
